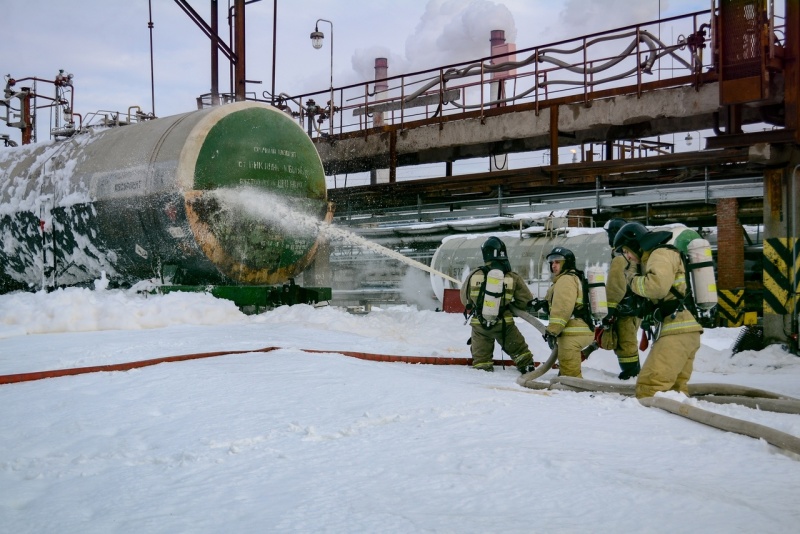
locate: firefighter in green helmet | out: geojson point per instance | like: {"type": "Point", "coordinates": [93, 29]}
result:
{"type": "Point", "coordinates": [568, 312]}
{"type": "Point", "coordinates": [487, 294]}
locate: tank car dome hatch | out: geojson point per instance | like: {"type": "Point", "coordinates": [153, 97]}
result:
{"type": "Point", "coordinates": [145, 201]}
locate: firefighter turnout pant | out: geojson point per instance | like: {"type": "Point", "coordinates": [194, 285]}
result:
{"type": "Point", "coordinates": [627, 349]}
{"type": "Point", "coordinates": [510, 339]}
{"type": "Point", "coordinates": [669, 365]}
{"type": "Point", "coordinates": [569, 353]}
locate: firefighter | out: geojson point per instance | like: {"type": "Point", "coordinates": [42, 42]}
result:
{"type": "Point", "coordinates": [487, 294]}
{"type": "Point", "coordinates": [658, 274]}
{"type": "Point", "coordinates": [567, 309]}
{"type": "Point", "coordinates": [620, 326]}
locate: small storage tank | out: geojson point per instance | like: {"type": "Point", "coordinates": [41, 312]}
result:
{"type": "Point", "coordinates": [137, 202]}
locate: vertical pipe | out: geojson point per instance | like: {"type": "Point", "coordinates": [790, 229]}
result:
{"type": "Point", "coordinates": [332, 107]}
{"type": "Point", "coordinates": [214, 54]}
{"type": "Point", "coordinates": [274, 45]}
{"type": "Point", "coordinates": [239, 25]}
{"type": "Point", "coordinates": [27, 123]}
{"type": "Point", "coordinates": [152, 78]}
{"type": "Point", "coordinates": [554, 143]}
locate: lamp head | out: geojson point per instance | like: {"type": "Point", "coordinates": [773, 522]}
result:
{"type": "Point", "coordinates": [316, 38]}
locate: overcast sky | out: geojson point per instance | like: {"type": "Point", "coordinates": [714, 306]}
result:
{"type": "Point", "coordinates": [105, 44]}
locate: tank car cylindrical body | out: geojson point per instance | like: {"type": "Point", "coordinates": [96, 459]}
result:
{"type": "Point", "coordinates": [457, 256]}
{"type": "Point", "coordinates": [137, 202]}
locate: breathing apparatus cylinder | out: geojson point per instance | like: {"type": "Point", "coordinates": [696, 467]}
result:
{"type": "Point", "coordinates": [598, 303]}
{"type": "Point", "coordinates": [701, 268]}
{"type": "Point", "coordinates": [493, 296]}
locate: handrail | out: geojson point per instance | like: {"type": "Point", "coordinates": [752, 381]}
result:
{"type": "Point", "coordinates": [567, 67]}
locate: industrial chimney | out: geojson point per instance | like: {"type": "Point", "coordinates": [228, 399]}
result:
{"type": "Point", "coordinates": [381, 86]}
{"type": "Point", "coordinates": [504, 52]}
{"type": "Point", "coordinates": [380, 176]}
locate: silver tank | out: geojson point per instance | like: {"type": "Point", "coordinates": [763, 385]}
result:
{"type": "Point", "coordinates": [458, 255]}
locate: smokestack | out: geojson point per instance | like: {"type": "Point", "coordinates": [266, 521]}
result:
{"type": "Point", "coordinates": [381, 86]}
{"type": "Point", "coordinates": [380, 176]}
{"type": "Point", "coordinates": [498, 37]}
{"type": "Point", "coordinates": [497, 40]}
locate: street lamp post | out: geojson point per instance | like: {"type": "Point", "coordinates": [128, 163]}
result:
{"type": "Point", "coordinates": [316, 41]}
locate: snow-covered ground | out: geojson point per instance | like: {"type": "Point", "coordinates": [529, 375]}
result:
{"type": "Point", "coordinates": [293, 441]}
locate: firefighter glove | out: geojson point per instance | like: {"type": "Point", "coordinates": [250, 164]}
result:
{"type": "Point", "coordinates": [538, 305]}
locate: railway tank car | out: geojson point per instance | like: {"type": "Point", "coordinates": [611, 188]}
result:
{"type": "Point", "coordinates": [458, 255]}
{"type": "Point", "coordinates": [137, 202]}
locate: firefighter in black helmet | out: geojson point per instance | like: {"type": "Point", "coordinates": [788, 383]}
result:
{"type": "Point", "coordinates": [487, 294]}
{"type": "Point", "coordinates": [567, 307]}
{"type": "Point", "coordinates": [658, 274]}
{"type": "Point", "coordinates": [620, 326]}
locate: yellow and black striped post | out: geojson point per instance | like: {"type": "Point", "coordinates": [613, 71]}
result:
{"type": "Point", "coordinates": [781, 279]}
{"type": "Point", "coordinates": [730, 307]}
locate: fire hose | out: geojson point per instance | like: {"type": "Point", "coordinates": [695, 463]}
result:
{"type": "Point", "coordinates": [716, 393]}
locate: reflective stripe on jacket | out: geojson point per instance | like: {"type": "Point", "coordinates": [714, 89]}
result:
{"type": "Point", "coordinates": [564, 296]}
{"type": "Point", "coordinates": [663, 269]}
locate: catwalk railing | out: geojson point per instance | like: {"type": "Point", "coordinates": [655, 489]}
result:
{"type": "Point", "coordinates": [575, 68]}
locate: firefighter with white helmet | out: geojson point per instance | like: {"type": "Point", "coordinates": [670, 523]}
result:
{"type": "Point", "coordinates": [567, 309]}
{"type": "Point", "coordinates": [487, 294]}
{"type": "Point", "coordinates": [620, 326]}
{"type": "Point", "coordinates": [657, 273]}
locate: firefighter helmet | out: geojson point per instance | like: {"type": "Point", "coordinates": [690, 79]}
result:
{"type": "Point", "coordinates": [612, 227]}
{"type": "Point", "coordinates": [494, 249]}
{"type": "Point", "coordinates": [629, 236]}
{"type": "Point", "coordinates": [562, 254]}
